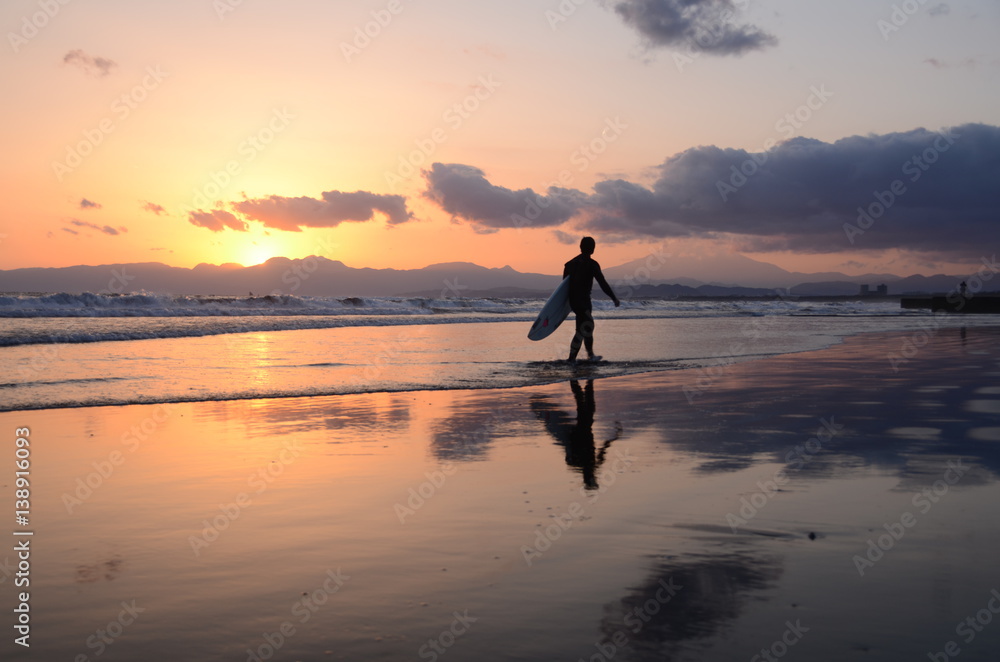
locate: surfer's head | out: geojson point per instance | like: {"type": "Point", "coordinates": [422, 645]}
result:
{"type": "Point", "coordinates": [587, 245]}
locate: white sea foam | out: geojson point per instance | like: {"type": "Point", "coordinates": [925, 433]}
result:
{"type": "Point", "coordinates": [70, 350]}
{"type": "Point", "coordinates": [87, 317]}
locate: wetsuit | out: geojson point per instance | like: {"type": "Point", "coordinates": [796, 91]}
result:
{"type": "Point", "coordinates": [582, 271]}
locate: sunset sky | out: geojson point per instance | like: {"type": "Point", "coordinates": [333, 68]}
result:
{"type": "Point", "coordinates": [190, 131]}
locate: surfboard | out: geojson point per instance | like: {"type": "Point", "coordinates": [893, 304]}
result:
{"type": "Point", "coordinates": [554, 312]}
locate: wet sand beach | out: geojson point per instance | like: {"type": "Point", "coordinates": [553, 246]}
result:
{"type": "Point", "coordinates": [839, 504]}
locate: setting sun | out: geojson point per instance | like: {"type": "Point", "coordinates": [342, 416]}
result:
{"type": "Point", "coordinates": [257, 254]}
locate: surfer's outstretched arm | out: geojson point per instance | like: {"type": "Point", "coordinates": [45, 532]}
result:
{"type": "Point", "coordinates": [599, 277]}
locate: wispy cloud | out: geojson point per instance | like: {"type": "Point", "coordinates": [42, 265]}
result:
{"type": "Point", "coordinates": [89, 64]}
{"type": "Point", "coordinates": [940, 9]}
{"type": "Point", "coordinates": [153, 208]}
{"type": "Point", "coordinates": [969, 62]}
{"type": "Point", "coordinates": [106, 229]}
{"type": "Point", "coordinates": [486, 50]}
{"type": "Point", "coordinates": [89, 204]}
{"type": "Point", "coordinates": [217, 220]}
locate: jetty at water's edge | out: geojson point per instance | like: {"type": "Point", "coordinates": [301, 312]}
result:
{"type": "Point", "coordinates": [954, 302]}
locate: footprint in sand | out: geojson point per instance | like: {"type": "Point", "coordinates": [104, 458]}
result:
{"type": "Point", "coordinates": [108, 570]}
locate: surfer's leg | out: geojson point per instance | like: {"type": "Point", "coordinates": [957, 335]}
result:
{"type": "Point", "coordinates": [588, 340]}
{"type": "Point", "coordinates": [585, 329]}
{"type": "Point", "coordinates": [574, 345]}
{"type": "Point", "coordinates": [582, 314]}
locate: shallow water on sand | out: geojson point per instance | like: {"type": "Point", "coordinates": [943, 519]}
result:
{"type": "Point", "coordinates": [822, 505]}
{"type": "Point", "coordinates": [403, 358]}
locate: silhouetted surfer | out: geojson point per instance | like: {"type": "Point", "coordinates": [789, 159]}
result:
{"type": "Point", "coordinates": [582, 271]}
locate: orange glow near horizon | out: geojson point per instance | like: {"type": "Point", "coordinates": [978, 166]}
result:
{"type": "Point", "coordinates": [190, 110]}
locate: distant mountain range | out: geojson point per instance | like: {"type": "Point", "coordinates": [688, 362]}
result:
{"type": "Point", "coordinates": [655, 275]}
{"type": "Point", "coordinates": [727, 271]}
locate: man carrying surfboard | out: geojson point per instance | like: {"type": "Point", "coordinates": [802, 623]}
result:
{"type": "Point", "coordinates": [582, 271]}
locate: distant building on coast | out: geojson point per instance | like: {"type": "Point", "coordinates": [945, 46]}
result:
{"type": "Point", "coordinates": [880, 290]}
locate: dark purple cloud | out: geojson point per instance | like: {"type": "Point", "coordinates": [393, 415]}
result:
{"type": "Point", "coordinates": [917, 190]}
{"type": "Point", "coordinates": [709, 26]}
{"type": "Point", "coordinates": [464, 192]}
{"type": "Point", "coordinates": [920, 190]}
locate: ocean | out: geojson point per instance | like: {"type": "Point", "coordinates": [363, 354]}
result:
{"type": "Point", "coordinates": [78, 350]}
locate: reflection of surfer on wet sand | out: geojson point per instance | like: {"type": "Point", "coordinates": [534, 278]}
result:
{"type": "Point", "coordinates": [577, 437]}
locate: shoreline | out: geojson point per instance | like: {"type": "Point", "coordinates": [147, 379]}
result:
{"type": "Point", "coordinates": [583, 371]}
